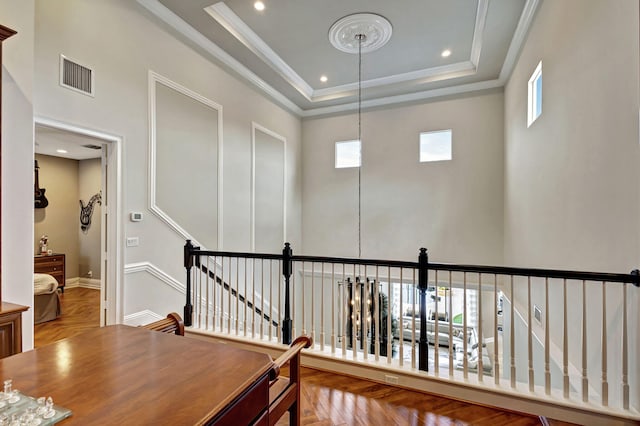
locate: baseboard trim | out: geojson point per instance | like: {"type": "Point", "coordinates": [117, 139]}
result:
{"type": "Point", "coordinates": [142, 317]}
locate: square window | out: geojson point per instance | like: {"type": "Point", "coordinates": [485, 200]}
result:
{"type": "Point", "coordinates": [347, 154]}
{"type": "Point", "coordinates": [534, 108]}
{"type": "Point", "coordinates": [435, 146]}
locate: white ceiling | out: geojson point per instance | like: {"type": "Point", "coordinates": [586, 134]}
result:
{"type": "Point", "coordinates": [284, 49]}
{"type": "Point", "coordinates": [50, 140]}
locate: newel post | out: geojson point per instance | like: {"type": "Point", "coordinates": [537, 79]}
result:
{"type": "Point", "coordinates": [287, 266]}
{"type": "Point", "coordinates": [188, 263]}
{"type": "Point", "coordinates": [423, 284]}
{"type": "Point", "coordinates": [636, 273]}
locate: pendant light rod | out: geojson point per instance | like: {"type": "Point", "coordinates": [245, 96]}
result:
{"type": "Point", "coordinates": [361, 38]}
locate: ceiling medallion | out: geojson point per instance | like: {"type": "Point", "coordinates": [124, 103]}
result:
{"type": "Point", "coordinates": [377, 30]}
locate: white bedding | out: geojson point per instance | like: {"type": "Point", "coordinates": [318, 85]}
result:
{"type": "Point", "coordinates": [44, 284]}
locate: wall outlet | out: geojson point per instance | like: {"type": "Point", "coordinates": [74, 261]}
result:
{"type": "Point", "coordinates": [537, 314]}
{"type": "Point", "coordinates": [90, 274]}
{"type": "Point", "coordinates": [132, 241]}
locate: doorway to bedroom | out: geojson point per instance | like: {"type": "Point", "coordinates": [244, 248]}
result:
{"type": "Point", "coordinates": [72, 232]}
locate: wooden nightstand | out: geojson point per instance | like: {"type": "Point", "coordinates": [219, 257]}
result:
{"type": "Point", "coordinates": [52, 264]}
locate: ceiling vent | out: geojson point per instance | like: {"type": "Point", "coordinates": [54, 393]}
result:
{"type": "Point", "coordinates": [76, 77]}
{"type": "Point", "coordinates": [90, 146]}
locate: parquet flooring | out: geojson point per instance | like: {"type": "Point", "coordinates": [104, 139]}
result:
{"type": "Point", "coordinates": [80, 312]}
{"type": "Point", "coordinates": [326, 399]}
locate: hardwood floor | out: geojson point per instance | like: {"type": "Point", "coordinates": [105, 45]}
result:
{"type": "Point", "coordinates": [326, 399]}
{"type": "Point", "coordinates": [80, 312]}
{"type": "Point", "coordinates": [332, 399]}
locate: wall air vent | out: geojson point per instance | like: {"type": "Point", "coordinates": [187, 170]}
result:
{"type": "Point", "coordinates": [90, 146]}
{"type": "Point", "coordinates": [76, 77]}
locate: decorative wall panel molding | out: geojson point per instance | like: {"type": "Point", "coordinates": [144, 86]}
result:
{"type": "Point", "coordinates": [185, 132]}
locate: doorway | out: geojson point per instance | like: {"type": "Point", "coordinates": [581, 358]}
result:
{"type": "Point", "coordinates": [97, 263]}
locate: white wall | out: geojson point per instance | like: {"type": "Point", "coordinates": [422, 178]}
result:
{"type": "Point", "coordinates": [17, 160]}
{"type": "Point", "coordinates": [571, 179]}
{"type": "Point", "coordinates": [121, 60]}
{"type": "Point", "coordinates": [453, 208]}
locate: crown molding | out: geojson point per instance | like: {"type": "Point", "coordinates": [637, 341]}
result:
{"type": "Point", "coordinates": [178, 24]}
{"type": "Point", "coordinates": [245, 35]}
{"type": "Point", "coordinates": [260, 48]}
{"type": "Point", "coordinates": [408, 97]}
{"type": "Point", "coordinates": [478, 31]}
{"type": "Point", "coordinates": [519, 35]}
{"type": "Point", "coordinates": [241, 31]}
{"type": "Point", "coordinates": [460, 69]}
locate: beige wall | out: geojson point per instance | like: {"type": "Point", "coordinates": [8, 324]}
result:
{"type": "Point", "coordinates": [60, 219]}
{"type": "Point", "coordinates": [89, 184]}
{"type": "Point", "coordinates": [453, 208]}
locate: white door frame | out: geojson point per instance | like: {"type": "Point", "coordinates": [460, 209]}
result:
{"type": "Point", "coordinates": [111, 294]}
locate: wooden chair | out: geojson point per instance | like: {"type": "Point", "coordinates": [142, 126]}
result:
{"type": "Point", "coordinates": [284, 392]}
{"type": "Point", "coordinates": [171, 324]}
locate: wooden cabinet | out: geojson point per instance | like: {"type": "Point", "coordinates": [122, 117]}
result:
{"type": "Point", "coordinates": [52, 264]}
{"type": "Point", "coordinates": [10, 313]}
{"type": "Point", "coordinates": [11, 329]}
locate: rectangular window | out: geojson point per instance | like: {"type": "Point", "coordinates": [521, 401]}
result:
{"type": "Point", "coordinates": [534, 108]}
{"type": "Point", "coordinates": [347, 154]}
{"type": "Point", "coordinates": [435, 146]}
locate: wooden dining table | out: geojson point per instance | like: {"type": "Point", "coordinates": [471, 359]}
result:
{"type": "Point", "coordinates": [133, 376]}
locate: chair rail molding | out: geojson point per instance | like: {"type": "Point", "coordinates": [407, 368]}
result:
{"type": "Point", "coordinates": [156, 272]}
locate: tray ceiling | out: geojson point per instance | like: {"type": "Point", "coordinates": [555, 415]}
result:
{"type": "Point", "coordinates": [285, 49]}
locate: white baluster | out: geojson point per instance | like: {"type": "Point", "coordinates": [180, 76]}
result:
{"type": "Point", "coordinates": [304, 300]}
{"type": "Point", "coordinates": [333, 309]}
{"type": "Point", "coordinates": [436, 346]}
{"type": "Point", "coordinates": [512, 338]}
{"type": "Point", "coordinates": [605, 383]}
{"type": "Point", "coordinates": [547, 372]}
{"type": "Point", "coordinates": [401, 344]}
{"type": "Point", "coordinates": [376, 314]}
{"type": "Point", "coordinates": [585, 379]}
{"type": "Point", "coordinates": [529, 336]}
{"type": "Point", "coordinates": [322, 307]}
{"type": "Point", "coordinates": [480, 334]}
{"type": "Point", "coordinates": [451, 354]}
{"type": "Point", "coordinates": [625, 361]}
{"type": "Point", "coordinates": [565, 344]}
{"type": "Point", "coordinates": [313, 302]}
{"type": "Point", "coordinates": [389, 335]}
{"type": "Point", "coordinates": [496, 355]}
{"type": "Point", "coordinates": [465, 360]}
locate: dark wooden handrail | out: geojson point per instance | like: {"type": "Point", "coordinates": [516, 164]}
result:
{"type": "Point", "coordinates": [284, 392]}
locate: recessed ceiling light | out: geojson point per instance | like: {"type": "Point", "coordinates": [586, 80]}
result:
{"type": "Point", "coordinates": [259, 5]}
{"type": "Point", "coordinates": [61, 151]}
{"type": "Point", "coordinates": [446, 53]}
{"type": "Point", "coordinates": [324, 79]}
